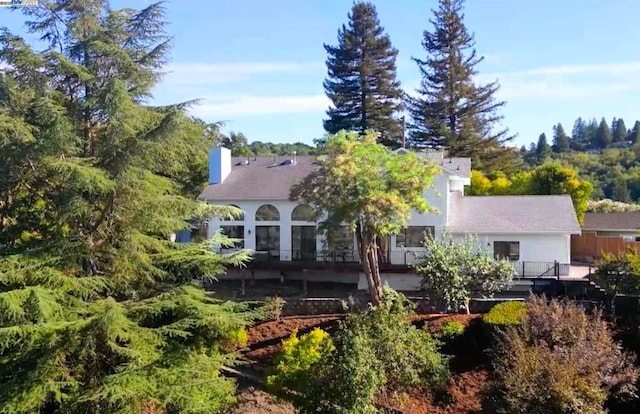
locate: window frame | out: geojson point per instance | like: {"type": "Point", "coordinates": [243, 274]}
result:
{"type": "Point", "coordinates": [512, 257]}
{"type": "Point", "coordinates": [267, 206]}
{"type": "Point", "coordinates": [239, 244]}
{"type": "Point", "coordinates": [424, 232]}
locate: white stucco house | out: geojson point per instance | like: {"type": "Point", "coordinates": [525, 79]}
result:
{"type": "Point", "coordinates": [532, 231]}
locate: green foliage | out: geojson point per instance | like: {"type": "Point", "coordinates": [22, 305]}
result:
{"type": "Point", "coordinates": [452, 109]}
{"type": "Point", "coordinates": [368, 187]}
{"type": "Point", "coordinates": [546, 179]}
{"type": "Point", "coordinates": [99, 311]}
{"type": "Point", "coordinates": [610, 206]}
{"type": "Point", "coordinates": [294, 365]}
{"type": "Point", "coordinates": [559, 360]}
{"type": "Point", "coordinates": [619, 274]}
{"type": "Point", "coordinates": [452, 329]}
{"type": "Point", "coordinates": [505, 314]}
{"type": "Point", "coordinates": [454, 269]}
{"type": "Point", "coordinates": [361, 82]}
{"type": "Point", "coordinates": [273, 307]}
{"type": "Point", "coordinates": [373, 349]}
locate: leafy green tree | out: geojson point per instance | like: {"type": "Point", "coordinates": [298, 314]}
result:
{"type": "Point", "coordinates": [99, 311]}
{"type": "Point", "coordinates": [619, 130]}
{"type": "Point", "coordinates": [553, 179]}
{"type": "Point", "coordinates": [368, 187]}
{"type": "Point", "coordinates": [237, 143]}
{"type": "Point", "coordinates": [619, 274]}
{"type": "Point", "coordinates": [453, 270]}
{"type": "Point", "coordinates": [362, 83]}
{"type": "Point", "coordinates": [621, 190]}
{"type": "Point", "coordinates": [452, 110]}
{"type": "Point", "coordinates": [543, 149]}
{"type": "Point", "coordinates": [602, 137]}
{"type": "Point", "coordinates": [560, 139]}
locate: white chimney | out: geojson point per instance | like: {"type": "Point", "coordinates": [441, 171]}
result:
{"type": "Point", "coordinates": [219, 164]}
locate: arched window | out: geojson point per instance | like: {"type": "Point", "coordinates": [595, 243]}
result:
{"type": "Point", "coordinates": [267, 212]}
{"type": "Point", "coordinates": [303, 212]}
{"type": "Point", "coordinates": [239, 217]}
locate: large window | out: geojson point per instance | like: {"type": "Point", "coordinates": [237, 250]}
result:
{"type": "Point", "coordinates": [303, 212]}
{"type": "Point", "coordinates": [303, 242]}
{"type": "Point", "coordinates": [239, 217]}
{"type": "Point", "coordinates": [234, 232]}
{"type": "Point", "coordinates": [506, 250]}
{"type": "Point", "coordinates": [267, 212]}
{"type": "Point", "coordinates": [340, 238]}
{"type": "Point", "coordinates": [268, 239]}
{"type": "Point", "coordinates": [413, 236]}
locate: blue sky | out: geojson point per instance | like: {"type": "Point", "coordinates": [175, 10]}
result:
{"type": "Point", "coordinates": [259, 64]}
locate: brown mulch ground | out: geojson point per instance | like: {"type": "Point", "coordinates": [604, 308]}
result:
{"type": "Point", "coordinates": [252, 401]}
{"type": "Point", "coordinates": [465, 387]}
{"type": "Point", "coordinates": [268, 331]}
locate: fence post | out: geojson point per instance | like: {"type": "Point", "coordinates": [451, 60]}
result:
{"type": "Point", "coordinates": [556, 269]}
{"type": "Point", "coordinates": [523, 269]}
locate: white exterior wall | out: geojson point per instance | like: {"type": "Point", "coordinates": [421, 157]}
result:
{"type": "Point", "coordinates": [533, 247]}
{"type": "Point", "coordinates": [249, 209]}
{"type": "Point", "coordinates": [438, 197]}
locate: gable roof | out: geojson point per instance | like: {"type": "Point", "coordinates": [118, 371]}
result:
{"type": "Point", "coordinates": [536, 214]}
{"type": "Point", "coordinates": [260, 179]}
{"type": "Point", "coordinates": [616, 221]}
{"type": "Point", "coordinates": [455, 166]}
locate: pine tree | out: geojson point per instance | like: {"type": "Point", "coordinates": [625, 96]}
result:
{"type": "Point", "coordinates": [452, 111]}
{"type": "Point", "coordinates": [361, 82]}
{"type": "Point", "coordinates": [579, 131]}
{"type": "Point", "coordinates": [591, 132]}
{"type": "Point", "coordinates": [560, 139]}
{"type": "Point", "coordinates": [602, 137]}
{"type": "Point", "coordinates": [619, 131]}
{"type": "Point", "coordinates": [634, 134]}
{"type": "Point", "coordinates": [543, 150]}
{"type": "Point", "coordinates": [621, 190]}
{"type": "Point", "coordinates": [99, 311]}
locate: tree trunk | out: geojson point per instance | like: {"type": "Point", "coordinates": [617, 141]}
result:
{"type": "Point", "coordinates": [375, 270]}
{"type": "Point", "coordinates": [370, 268]}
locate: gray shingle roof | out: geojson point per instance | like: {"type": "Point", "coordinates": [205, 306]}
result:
{"type": "Point", "coordinates": [457, 166]}
{"type": "Point", "coordinates": [261, 179]}
{"type": "Point", "coordinates": [624, 221]}
{"type": "Point", "coordinates": [512, 214]}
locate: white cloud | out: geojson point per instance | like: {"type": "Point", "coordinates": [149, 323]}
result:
{"type": "Point", "coordinates": [567, 81]}
{"type": "Point", "coordinates": [222, 73]}
{"type": "Point", "coordinates": [235, 106]}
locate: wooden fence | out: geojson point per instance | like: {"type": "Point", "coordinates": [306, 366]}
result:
{"type": "Point", "coordinates": [589, 245]}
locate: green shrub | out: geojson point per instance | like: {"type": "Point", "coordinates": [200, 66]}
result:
{"type": "Point", "coordinates": [506, 314]}
{"type": "Point", "coordinates": [273, 307]}
{"type": "Point", "coordinates": [294, 364]}
{"type": "Point", "coordinates": [372, 349]}
{"type": "Point", "coordinates": [452, 329]}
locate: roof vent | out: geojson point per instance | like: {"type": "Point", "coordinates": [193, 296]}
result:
{"type": "Point", "coordinates": [288, 162]}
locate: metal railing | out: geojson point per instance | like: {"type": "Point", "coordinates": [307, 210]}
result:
{"type": "Point", "coordinates": [555, 269]}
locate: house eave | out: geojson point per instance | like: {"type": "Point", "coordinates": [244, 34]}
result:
{"type": "Point", "coordinates": [458, 232]}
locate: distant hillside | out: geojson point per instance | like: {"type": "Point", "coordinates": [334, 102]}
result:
{"type": "Point", "coordinates": [606, 154]}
